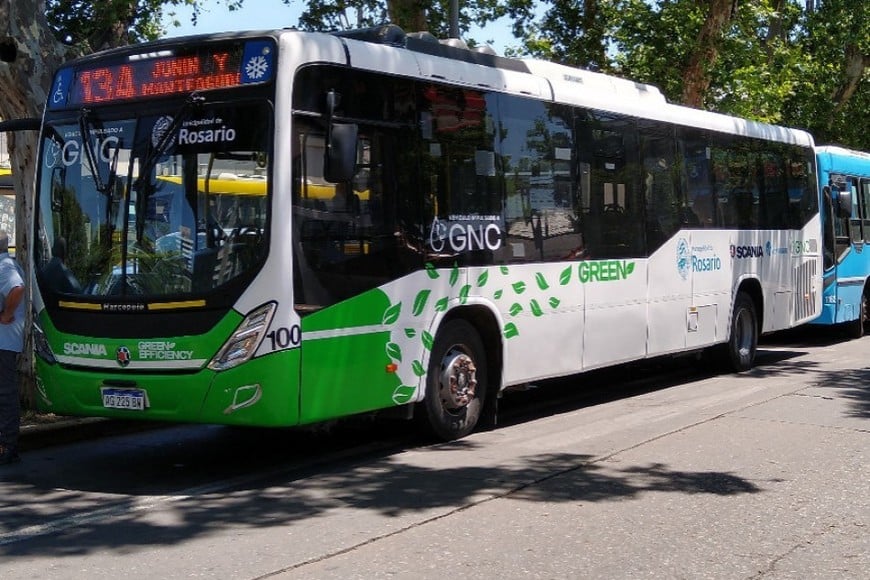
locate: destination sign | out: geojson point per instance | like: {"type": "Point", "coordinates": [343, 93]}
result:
{"type": "Point", "coordinates": [162, 73]}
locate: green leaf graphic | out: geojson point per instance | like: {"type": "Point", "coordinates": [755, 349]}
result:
{"type": "Point", "coordinates": [430, 269]}
{"type": "Point", "coordinates": [515, 309]}
{"type": "Point", "coordinates": [481, 280]}
{"type": "Point", "coordinates": [454, 274]}
{"type": "Point", "coordinates": [519, 287]}
{"type": "Point", "coordinates": [410, 332]}
{"type": "Point", "coordinates": [441, 305]}
{"type": "Point", "coordinates": [504, 270]}
{"type": "Point", "coordinates": [463, 294]}
{"type": "Point", "coordinates": [629, 268]}
{"type": "Point", "coordinates": [542, 282]}
{"type": "Point", "coordinates": [510, 330]}
{"type": "Point", "coordinates": [536, 308]}
{"type": "Point", "coordinates": [427, 339]}
{"type": "Point", "coordinates": [565, 276]}
{"type": "Point", "coordinates": [403, 394]}
{"type": "Point", "coordinates": [554, 302]}
{"type": "Point", "coordinates": [392, 313]}
{"type": "Point", "coordinates": [418, 368]}
{"type": "Point", "coordinates": [497, 294]}
{"type": "Point", "coordinates": [394, 351]}
{"type": "Point", "coordinates": [420, 302]}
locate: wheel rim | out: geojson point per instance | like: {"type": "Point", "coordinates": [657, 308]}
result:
{"type": "Point", "coordinates": [744, 333]}
{"type": "Point", "coordinates": [458, 380]}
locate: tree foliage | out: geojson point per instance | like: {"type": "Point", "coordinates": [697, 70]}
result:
{"type": "Point", "coordinates": [791, 62]}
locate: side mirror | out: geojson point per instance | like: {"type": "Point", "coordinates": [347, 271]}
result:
{"type": "Point", "coordinates": [340, 161]}
{"type": "Point", "coordinates": [843, 203]}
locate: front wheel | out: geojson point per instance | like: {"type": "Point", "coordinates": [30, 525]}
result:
{"type": "Point", "coordinates": [743, 341]}
{"type": "Point", "coordinates": [857, 326]}
{"type": "Point", "coordinates": [456, 381]}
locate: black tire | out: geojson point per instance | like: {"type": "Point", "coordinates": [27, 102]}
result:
{"type": "Point", "coordinates": [457, 354]}
{"type": "Point", "coordinates": [857, 327]}
{"type": "Point", "coordinates": [743, 339]}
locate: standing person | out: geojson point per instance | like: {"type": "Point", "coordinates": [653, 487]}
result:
{"type": "Point", "coordinates": [11, 344]}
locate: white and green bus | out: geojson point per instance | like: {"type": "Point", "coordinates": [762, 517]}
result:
{"type": "Point", "coordinates": [283, 228]}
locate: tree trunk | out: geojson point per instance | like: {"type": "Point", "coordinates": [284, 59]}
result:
{"type": "Point", "coordinates": [696, 76]}
{"type": "Point", "coordinates": [855, 65]}
{"type": "Point", "coordinates": [30, 54]}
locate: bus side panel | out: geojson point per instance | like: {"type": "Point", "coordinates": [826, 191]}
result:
{"type": "Point", "coordinates": [263, 391]}
{"type": "Point", "coordinates": [616, 310]}
{"type": "Point", "coordinates": [346, 350]}
{"type": "Point", "coordinates": [540, 307]}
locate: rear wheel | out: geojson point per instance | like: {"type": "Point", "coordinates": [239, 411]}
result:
{"type": "Point", "coordinates": [743, 341]}
{"type": "Point", "coordinates": [456, 380]}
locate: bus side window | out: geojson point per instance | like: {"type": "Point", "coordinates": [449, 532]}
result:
{"type": "Point", "coordinates": [857, 222]}
{"type": "Point", "coordinates": [665, 209]}
{"type": "Point", "coordinates": [615, 219]}
{"type": "Point", "coordinates": [540, 210]}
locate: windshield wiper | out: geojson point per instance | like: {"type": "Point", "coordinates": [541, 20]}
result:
{"type": "Point", "coordinates": [159, 148]}
{"type": "Point", "coordinates": [195, 100]}
{"type": "Point", "coordinates": [103, 187]}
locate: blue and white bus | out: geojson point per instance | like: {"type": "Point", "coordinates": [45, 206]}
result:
{"type": "Point", "coordinates": [845, 185]}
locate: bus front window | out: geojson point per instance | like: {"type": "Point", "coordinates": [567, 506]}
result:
{"type": "Point", "coordinates": [136, 219]}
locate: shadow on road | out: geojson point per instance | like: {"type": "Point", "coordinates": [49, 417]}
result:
{"type": "Point", "coordinates": [207, 479]}
{"type": "Point", "coordinates": [385, 485]}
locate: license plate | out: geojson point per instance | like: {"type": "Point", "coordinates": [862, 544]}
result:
{"type": "Point", "coordinates": [130, 399]}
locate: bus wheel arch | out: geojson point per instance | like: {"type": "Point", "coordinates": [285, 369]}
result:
{"type": "Point", "coordinates": [463, 375]}
{"type": "Point", "coordinates": [738, 352]}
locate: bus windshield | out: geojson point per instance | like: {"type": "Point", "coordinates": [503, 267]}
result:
{"type": "Point", "coordinates": [164, 203]}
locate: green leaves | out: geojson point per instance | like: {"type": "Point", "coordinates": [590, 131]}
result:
{"type": "Point", "coordinates": [463, 294]}
{"type": "Point", "coordinates": [454, 274]}
{"type": "Point", "coordinates": [392, 314]}
{"type": "Point", "coordinates": [420, 302]}
{"type": "Point", "coordinates": [403, 394]}
{"type": "Point", "coordinates": [394, 351]}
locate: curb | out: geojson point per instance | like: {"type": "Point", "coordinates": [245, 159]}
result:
{"type": "Point", "coordinates": [75, 429]}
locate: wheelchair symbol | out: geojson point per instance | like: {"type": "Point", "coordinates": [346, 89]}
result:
{"type": "Point", "coordinates": [57, 96]}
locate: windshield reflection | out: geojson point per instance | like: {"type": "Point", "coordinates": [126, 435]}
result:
{"type": "Point", "coordinates": [119, 216]}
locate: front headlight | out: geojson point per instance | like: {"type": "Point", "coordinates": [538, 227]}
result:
{"type": "Point", "coordinates": [40, 345]}
{"type": "Point", "coordinates": [243, 343]}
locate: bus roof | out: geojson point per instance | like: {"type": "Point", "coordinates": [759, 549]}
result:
{"type": "Point", "coordinates": [420, 55]}
{"type": "Point", "coordinates": [428, 57]}
{"type": "Point", "coordinates": [842, 151]}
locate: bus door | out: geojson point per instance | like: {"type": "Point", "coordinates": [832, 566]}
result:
{"type": "Point", "coordinates": [844, 228]}
{"type": "Point", "coordinates": [345, 245]}
{"type": "Point", "coordinates": [614, 274]}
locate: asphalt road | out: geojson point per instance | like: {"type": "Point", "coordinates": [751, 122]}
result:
{"type": "Point", "coordinates": [660, 471]}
